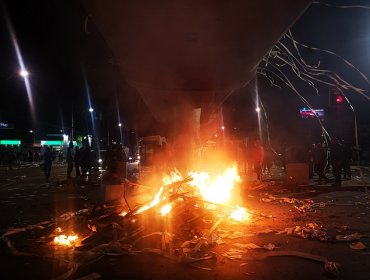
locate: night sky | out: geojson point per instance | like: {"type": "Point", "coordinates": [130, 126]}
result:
{"type": "Point", "coordinates": [60, 55]}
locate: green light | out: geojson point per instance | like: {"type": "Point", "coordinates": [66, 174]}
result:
{"type": "Point", "coordinates": [10, 142]}
{"type": "Point", "coordinates": [51, 143]}
{"type": "Point", "coordinates": [55, 143]}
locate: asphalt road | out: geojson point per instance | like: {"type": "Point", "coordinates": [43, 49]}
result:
{"type": "Point", "coordinates": [26, 199]}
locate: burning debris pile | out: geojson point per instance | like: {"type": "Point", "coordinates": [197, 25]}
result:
{"type": "Point", "coordinates": [181, 222]}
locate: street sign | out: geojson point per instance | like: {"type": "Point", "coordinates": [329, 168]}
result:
{"type": "Point", "coordinates": [4, 125]}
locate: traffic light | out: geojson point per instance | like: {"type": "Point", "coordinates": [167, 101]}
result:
{"type": "Point", "coordinates": [339, 99]}
{"type": "Point", "coordinates": [335, 98]}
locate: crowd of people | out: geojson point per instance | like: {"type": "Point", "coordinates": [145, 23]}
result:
{"type": "Point", "coordinates": [335, 158]}
{"type": "Point", "coordinates": [332, 159]}
{"type": "Point", "coordinates": [83, 160]}
{"type": "Point", "coordinates": [253, 157]}
{"type": "Point", "coordinates": [9, 156]}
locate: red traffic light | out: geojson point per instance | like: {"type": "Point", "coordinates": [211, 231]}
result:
{"type": "Point", "coordinates": [335, 99]}
{"type": "Point", "coordinates": [339, 99]}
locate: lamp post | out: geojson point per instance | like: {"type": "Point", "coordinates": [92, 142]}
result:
{"type": "Point", "coordinates": [32, 132]}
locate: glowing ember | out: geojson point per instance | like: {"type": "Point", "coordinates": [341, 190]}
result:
{"type": "Point", "coordinates": [154, 202]}
{"type": "Point", "coordinates": [219, 189]}
{"type": "Point", "coordinates": [65, 240]}
{"type": "Point", "coordinates": [123, 213]}
{"type": "Point", "coordinates": [240, 214]}
{"type": "Point", "coordinates": [166, 209]}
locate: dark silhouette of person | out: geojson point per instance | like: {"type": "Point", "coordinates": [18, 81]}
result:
{"type": "Point", "coordinates": [86, 161]}
{"type": "Point", "coordinates": [258, 155]}
{"type": "Point", "coordinates": [320, 159]}
{"type": "Point", "coordinates": [267, 161]}
{"type": "Point", "coordinates": [10, 158]}
{"type": "Point", "coordinates": [310, 161]}
{"type": "Point", "coordinates": [77, 160]}
{"type": "Point", "coordinates": [347, 159]}
{"type": "Point", "coordinates": [69, 159]}
{"type": "Point", "coordinates": [112, 158]}
{"type": "Point", "coordinates": [337, 155]}
{"type": "Point", "coordinates": [48, 161]}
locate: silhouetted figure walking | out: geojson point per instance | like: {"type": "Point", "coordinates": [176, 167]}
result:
{"type": "Point", "coordinates": [347, 159]}
{"type": "Point", "coordinates": [10, 158]}
{"type": "Point", "coordinates": [320, 159]}
{"type": "Point", "coordinates": [77, 161]}
{"type": "Point", "coordinates": [258, 156]}
{"type": "Point", "coordinates": [336, 153]}
{"type": "Point", "coordinates": [46, 165]}
{"type": "Point", "coordinates": [86, 161]}
{"type": "Point", "coordinates": [267, 161]}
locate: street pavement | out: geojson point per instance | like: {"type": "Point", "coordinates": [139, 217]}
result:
{"type": "Point", "coordinates": [308, 219]}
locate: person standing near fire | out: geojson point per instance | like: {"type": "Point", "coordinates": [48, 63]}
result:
{"type": "Point", "coordinates": [258, 157]}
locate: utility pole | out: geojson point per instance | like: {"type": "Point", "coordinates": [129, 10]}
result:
{"type": "Point", "coordinates": [72, 124]}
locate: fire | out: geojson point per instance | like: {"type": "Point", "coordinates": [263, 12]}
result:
{"type": "Point", "coordinates": [63, 239]}
{"type": "Point", "coordinates": [240, 214]}
{"type": "Point", "coordinates": [66, 240]}
{"type": "Point", "coordinates": [173, 177]}
{"type": "Point", "coordinates": [166, 209]}
{"type": "Point", "coordinates": [123, 213]}
{"type": "Point", "coordinates": [219, 189]}
{"type": "Point", "coordinates": [154, 202]}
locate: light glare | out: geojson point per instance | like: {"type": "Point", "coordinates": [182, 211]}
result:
{"type": "Point", "coordinates": [23, 73]}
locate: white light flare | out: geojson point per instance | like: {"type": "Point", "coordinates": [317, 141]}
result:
{"type": "Point", "coordinates": [23, 72]}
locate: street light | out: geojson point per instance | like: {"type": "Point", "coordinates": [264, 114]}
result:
{"type": "Point", "coordinates": [23, 73]}
{"type": "Point", "coordinates": [258, 109]}
{"type": "Point", "coordinates": [91, 110]}
{"type": "Point", "coordinates": [31, 131]}
{"type": "Point", "coordinates": [119, 124]}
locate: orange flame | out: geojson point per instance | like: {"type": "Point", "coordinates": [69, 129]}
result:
{"type": "Point", "coordinates": [66, 240]}
{"type": "Point", "coordinates": [216, 190]}
{"type": "Point", "coordinates": [154, 202]}
{"type": "Point", "coordinates": [240, 214]}
{"type": "Point", "coordinates": [123, 213]}
{"type": "Point", "coordinates": [166, 209]}
{"type": "Point", "coordinates": [173, 177]}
